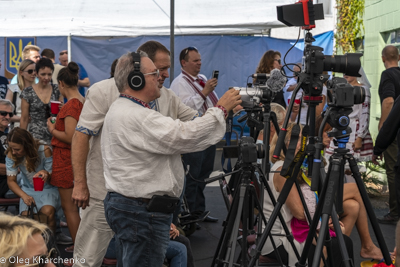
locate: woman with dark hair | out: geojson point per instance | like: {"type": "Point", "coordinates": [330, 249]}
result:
{"type": "Point", "coordinates": [35, 101]}
{"type": "Point", "coordinates": [62, 132]}
{"type": "Point", "coordinates": [25, 78]}
{"type": "Point", "coordinates": [269, 61]}
{"type": "Point", "coordinates": [27, 155]}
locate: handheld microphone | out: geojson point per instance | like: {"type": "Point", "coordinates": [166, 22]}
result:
{"type": "Point", "coordinates": [276, 81]}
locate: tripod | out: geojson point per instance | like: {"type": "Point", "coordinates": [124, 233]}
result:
{"type": "Point", "coordinates": [332, 189]}
{"type": "Point", "coordinates": [244, 201]}
{"type": "Point", "coordinates": [335, 180]}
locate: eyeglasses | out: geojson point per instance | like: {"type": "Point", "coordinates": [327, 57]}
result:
{"type": "Point", "coordinates": [42, 260]}
{"type": "Point", "coordinates": [4, 113]}
{"type": "Point", "coordinates": [29, 71]}
{"type": "Point", "coordinates": [190, 48]}
{"type": "Point", "coordinates": [278, 60]}
{"type": "Point", "coordinates": [63, 52]}
{"type": "Point", "coordinates": [155, 73]}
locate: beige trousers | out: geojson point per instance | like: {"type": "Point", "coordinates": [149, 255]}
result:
{"type": "Point", "coordinates": [93, 236]}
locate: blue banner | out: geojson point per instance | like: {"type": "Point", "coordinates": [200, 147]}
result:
{"type": "Point", "coordinates": [13, 53]}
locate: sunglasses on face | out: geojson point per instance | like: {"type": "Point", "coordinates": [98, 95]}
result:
{"type": "Point", "coordinates": [4, 113]}
{"type": "Point", "coordinates": [278, 60]}
{"type": "Point", "coordinates": [64, 52]}
{"type": "Point", "coordinates": [155, 73]}
{"type": "Point", "coordinates": [190, 48]}
{"type": "Point", "coordinates": [42, 260]}
{"type": "Point", "coordinates": [29, 71]}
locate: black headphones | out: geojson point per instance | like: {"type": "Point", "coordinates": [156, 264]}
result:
{"type": "Point", "coordinates": [136, 79]}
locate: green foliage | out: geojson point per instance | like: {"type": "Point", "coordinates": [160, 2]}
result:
{"type": "Point", "coordinates": [370, 179]}
{"type": "Point", "coordinates": [350, 24]}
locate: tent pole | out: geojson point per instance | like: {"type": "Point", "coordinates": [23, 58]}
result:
{"type": "Point", "coordinates": [172, 41]}
{"type": "Point", "coordinates": [69, 47]}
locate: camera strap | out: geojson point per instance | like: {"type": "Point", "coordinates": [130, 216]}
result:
{"type": "Point", "coordinates": [292, 165]}
{"type": "Point", "coordinates": [228, 137]}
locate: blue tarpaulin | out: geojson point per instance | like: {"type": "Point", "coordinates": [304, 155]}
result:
{"type": "Point", "coordinates": [236, 57]}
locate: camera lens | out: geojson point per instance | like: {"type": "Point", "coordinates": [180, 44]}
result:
{"type": "Point", "coordinates": [348, 64]}
{"type": "Point", "coordinates": [359, 95]}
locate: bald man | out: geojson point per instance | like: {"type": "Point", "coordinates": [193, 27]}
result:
{"type": "Point", "coordinates": [389, 90]}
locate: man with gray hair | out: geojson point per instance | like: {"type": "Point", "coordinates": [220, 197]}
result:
{"type": "Point", "coordinates": [6, 112]}
{"type": "Point", "coordinates": [94, 234]}
{"type": "Point", "coordinates": [141, 196]}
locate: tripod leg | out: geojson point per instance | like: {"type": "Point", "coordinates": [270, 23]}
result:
{"type": "Point", "coordinates": [275, 213]}
{"type": "Point", "coordinates": [223, 241]}
{"type": "Point", "coordinates": [339, 235]}
{"type": "Point", "coordinates": [370, 211]}
{"type": "Point", "coordinates": [332, 184]}
{"type": "Point", "coordinates": [285, 228]}
{"type": "Point", "coordinates": [320, 242]}
{"type": "Point", "coordinates": [263, 219]}
{"type": "Point", "coordinates": [246, 223]}
{"type": "Point", "coordinates": [233, 239]}
{"type": "Point", "coordinates": [314, 222]}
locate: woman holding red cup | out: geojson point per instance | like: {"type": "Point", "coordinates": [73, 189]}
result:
{"type": "Point", "coordinates": [62, 130]}
{"type": "Point", "coordinates": [35, 101]}
{"type": "Point", "coordinates": [34, 161]}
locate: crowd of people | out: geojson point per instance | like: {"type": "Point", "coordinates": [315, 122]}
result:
{"type": "Point", "coordinates": [94, 158]}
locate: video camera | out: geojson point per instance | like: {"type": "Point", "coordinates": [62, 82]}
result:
{"type": "Point", "coordinates": [342, 94]}
{"type": "Point", "coordinates": [246, 152]}
{"type": "Point", "coordinates": [342, 97]}
{"type": "Point", "coordinates": [314, 61]}
{"type": "Point", "coordinates": [264, 89]}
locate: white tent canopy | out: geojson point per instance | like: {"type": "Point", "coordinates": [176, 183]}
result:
{"type": "Point", "coordinates": [136, 17]}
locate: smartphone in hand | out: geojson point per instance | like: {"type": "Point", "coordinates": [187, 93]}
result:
{"type": "Point", "coordinates": [215, 74]}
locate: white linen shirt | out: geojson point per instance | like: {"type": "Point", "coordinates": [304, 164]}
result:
{"type": "Point", "coordinates": [141, 148]}
{"type": "Point", "coordinates": [188, 95]}
{"type": "Point", "coordinates": [98, 100]}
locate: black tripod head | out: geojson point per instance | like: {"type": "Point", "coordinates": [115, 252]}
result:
{"type": "Point", "coordinates": [247, 151]}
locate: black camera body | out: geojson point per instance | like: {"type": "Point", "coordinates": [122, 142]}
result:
{"type": "Point", "coordinates": [246, 152]}
{"type": "Point", "coordinates": [342, 94]}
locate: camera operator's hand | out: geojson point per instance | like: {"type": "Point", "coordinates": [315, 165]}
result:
{"type": "Point", "coordinates": [375, 159]}
{"type": "Point", "coordinates": [237, 108]}
{"type": "Point", "coordinates": [209, 87]}
{"type": "Point", "coordinates": [357, 145]}
{"type": "Point", "coordinates": [230, 100]}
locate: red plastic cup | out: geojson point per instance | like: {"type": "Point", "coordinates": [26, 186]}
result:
{"type": "Point", "coordinates": [55, 107]}
{"type": "Point", "coordinates": [38, 183]}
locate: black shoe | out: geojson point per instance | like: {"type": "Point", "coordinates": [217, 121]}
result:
{"type": "Point", "coordinates": [210, 219]}
{"type": "Point", "coordinates": [388, 219]}
{"type": "Point", "coordinates": [198, 226]}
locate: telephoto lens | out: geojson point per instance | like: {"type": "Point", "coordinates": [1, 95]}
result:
{"type": "Point", "coordinates": [359, 94]}
{"type": "Point", "coordinates": [348, 64]}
